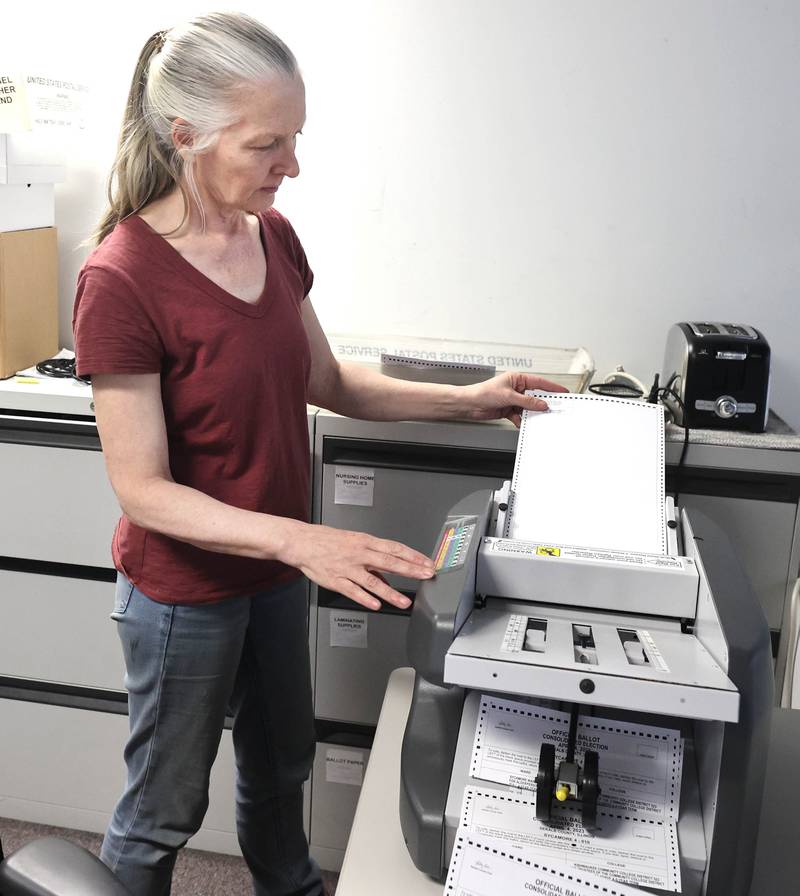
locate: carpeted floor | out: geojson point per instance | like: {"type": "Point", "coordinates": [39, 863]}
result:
{"type": "Point", "coordinates": [197, 873]}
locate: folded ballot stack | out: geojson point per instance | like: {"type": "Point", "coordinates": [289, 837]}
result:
{"type": "Point", "coordinates": [501, 848]}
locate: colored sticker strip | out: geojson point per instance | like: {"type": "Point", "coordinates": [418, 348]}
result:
{"type": "Point", "coordinates": [443, 548]}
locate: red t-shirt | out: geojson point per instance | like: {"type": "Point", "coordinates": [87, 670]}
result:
{"type": "Point", "coordinates": [234, 379]}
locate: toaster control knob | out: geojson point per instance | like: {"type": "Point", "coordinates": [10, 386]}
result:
{"type": "Point", "coordinates": [726, 407]}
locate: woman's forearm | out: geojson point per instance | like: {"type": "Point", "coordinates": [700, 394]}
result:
{"type": "Point", "coordinates": [186, 514]}
{"type": "Point", "coordinates": [351, 563]}
{"type": "Point", "coordinates": [368, 395]}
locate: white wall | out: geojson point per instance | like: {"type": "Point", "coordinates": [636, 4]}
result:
{"type": "Point", "coordinates": [552, 172]}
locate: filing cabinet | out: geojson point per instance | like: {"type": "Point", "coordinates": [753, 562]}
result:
{"type": "Point", "coordinates": [63, 709]}
{"type": "Point", "coordinates": [409, 486]}
{"type": "Point", "coordinates": [394, 481]}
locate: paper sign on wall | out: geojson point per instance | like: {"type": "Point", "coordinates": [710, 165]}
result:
{"type": "Point", "coordinates": [35, 102]}
{"type": "Point", "coordinates": [344, 766]}
{"type": "Point", "coordinates": [354, 485]}
{"type": "Point", "coordinates": [14, 112]}
{"type": "Point", "coordinates": [348, 629]}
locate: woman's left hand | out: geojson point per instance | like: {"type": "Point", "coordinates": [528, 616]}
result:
{"type": "Point", "coordinates": [504, 396]}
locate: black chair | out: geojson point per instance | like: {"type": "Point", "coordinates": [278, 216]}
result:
{"type": "Point", "coordinates": [54, 867]}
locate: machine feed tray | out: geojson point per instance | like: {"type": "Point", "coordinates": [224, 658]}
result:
{"type": "Point", "coordinates": [639, 663]}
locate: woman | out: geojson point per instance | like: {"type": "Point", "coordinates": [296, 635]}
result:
{"type": "Point", "coordinates": [192, 316]}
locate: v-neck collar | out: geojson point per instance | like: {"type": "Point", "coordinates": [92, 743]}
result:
{"type": "Point", "coordinates": [171, 255]}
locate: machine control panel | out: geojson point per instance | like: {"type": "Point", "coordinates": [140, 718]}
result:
{"type": "Point", "coordinates": [451, 549]}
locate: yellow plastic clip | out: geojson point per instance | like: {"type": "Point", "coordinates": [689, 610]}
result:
{"type": "Point", "coordinates": [29, 380]}
{"type": "Point", "coordinates": [562, 793]}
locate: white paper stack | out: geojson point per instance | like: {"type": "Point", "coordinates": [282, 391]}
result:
{"type": "Point", "coordinates": [589, 472]}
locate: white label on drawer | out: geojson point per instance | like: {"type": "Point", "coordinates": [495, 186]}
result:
{"type": "Point", "coordinates": [348, 629]}
{"type": "Point", "coordinates": [344, 766]}
{"type": "Point", "coordinates": [354, 485]}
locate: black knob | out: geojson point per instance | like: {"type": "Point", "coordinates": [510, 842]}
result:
{"type": "Point", "coordinates": [502, 507]}
{"type": "Point", "coordinates": [587, 686]}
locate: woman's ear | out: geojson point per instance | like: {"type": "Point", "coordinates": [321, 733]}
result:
{"type": "Point", "coordinates": [183, 134]}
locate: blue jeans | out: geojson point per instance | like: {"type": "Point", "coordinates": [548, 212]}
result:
{"type": "Point", "coordinates": [185, 666]}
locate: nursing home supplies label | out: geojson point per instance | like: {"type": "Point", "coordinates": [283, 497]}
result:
{"type": "Point", "coordinates": [353, 485]}
{"type": "Point", "coordinates": [640, 766]}
{"type": "Point", "coordinates": [482, 869]}
{"type": "Point", "coordinates": [637, 851]}
{"type": "Point", "coordinates": [588, 452]}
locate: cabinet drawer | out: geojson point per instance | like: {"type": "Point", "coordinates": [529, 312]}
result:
{"type": "Point", "coordinates": [64, 766]}
{"type": "Point", "coordinates": [57, 629]}
{"type": "Point", "coordinates": [351, 681]}
{"type": "Point", "coordinates": [58, 505]}
{"type": "Point", "coordinates": [62, 758]}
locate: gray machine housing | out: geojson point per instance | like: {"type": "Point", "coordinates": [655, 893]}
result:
{"type": "Point", "coordinates": [726, 760]}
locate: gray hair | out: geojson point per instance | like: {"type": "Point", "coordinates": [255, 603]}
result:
{"type": "Point", "coordinates": [192, 72]}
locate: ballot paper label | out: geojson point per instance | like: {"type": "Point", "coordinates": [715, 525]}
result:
{"type": "Point", "coordinates": [640, 782]}
{"type": "Point", "coordinates": [354, 485]}
{"type": "Point", "coordinates": [634, 851]}
{"type": "Point", "coordinates": [348, 629]}
{"type": "Point", "coordinates": [481, 869]}
{"type": "Point", "coordinates": [344, 766]}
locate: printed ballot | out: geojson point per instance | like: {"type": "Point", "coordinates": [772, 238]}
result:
{"type": "Point", "coordinates": [636, 851]}
{"type": "Point", "coordinates": [479, 869]}
{"type": "Point", "coordinates": [640, 765]}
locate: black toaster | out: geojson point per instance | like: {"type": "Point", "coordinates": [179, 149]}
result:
{"type": "Point", "coordinates": [716, 376]}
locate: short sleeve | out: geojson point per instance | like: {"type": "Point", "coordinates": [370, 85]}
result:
{"type": "Point", "coordinates": [301, 261]}
{"type": "Point", "coordinates": [294, 248]}
{"type": "Point", "coordinates": [112, 330]}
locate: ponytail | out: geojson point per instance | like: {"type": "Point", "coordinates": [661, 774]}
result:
{"type": "Point", "coordinates": [144, 169]}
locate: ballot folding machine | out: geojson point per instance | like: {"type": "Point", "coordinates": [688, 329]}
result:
{"type": "Point", "coordinates": [677, 640]}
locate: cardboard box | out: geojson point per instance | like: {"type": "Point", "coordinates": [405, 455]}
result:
{"type": "Point", "coordinates": [28, 298]}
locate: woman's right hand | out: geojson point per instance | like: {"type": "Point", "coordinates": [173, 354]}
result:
{"type": "Point", "coordinates": [353, 563]}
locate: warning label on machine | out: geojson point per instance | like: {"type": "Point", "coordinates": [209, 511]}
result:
{"type": "Point", "coordinates": [560, 552]}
